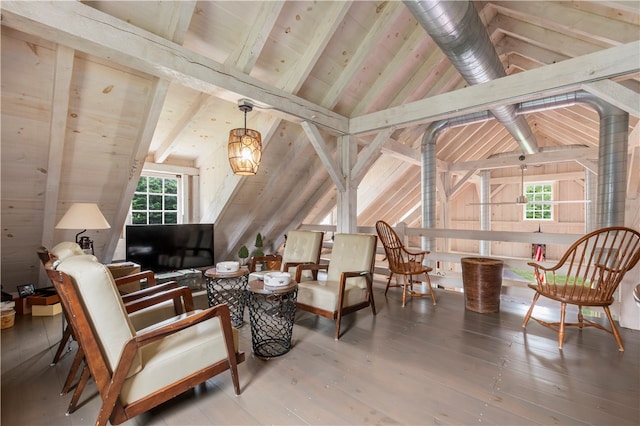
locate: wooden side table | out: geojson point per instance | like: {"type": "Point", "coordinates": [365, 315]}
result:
{"type": "Point", "coordinates": [271, 315]}
{"type": "Point", "coordinates": [229, 288]}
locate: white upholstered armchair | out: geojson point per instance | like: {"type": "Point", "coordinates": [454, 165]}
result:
{"type": "Point", "coordinates": [349, 283]}
{"type": "Point", "coordinates": [301, 247]}
{"type": "Point", "coordinates": [137, 370]}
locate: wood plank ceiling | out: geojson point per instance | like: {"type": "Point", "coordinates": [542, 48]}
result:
{"type": "Point", "coordinates": [92, 90]}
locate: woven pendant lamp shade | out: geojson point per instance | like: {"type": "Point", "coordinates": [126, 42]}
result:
{"type": "Point", "coordinates": [245, 151]}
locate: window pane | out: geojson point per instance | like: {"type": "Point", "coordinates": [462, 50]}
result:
{"type": "Point", "coordinates": [142, 184]}
{"type": "Point", "coordinates": [155, 202]}
{"type": "Point", "coordinates": [170, 186]}
{"type": "Point", "coordinates": [155, 218]}
{"type": "Point", "coordinates": [139, 202]}
{"type": "Point", "coordinates": [170, 218]}
{"type": "Point", "coordinates": [170, 202]}
{"type": "Point", "coordinates": [139, 218]}
{"type": "Point", "coordinates": [155, 185]}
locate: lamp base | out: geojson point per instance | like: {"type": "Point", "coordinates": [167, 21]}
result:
{"type": "Point", "coordinates": [86, 244]}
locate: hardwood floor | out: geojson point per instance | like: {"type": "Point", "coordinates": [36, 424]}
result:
{"type": "Point", "coordinates": [423, 364]}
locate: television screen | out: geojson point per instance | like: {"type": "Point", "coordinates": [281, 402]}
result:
{"type": "Point", "coordinates": [165, 248]}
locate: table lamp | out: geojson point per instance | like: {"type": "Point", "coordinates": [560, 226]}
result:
{"type": "Point", "coordinates": [83, 216]}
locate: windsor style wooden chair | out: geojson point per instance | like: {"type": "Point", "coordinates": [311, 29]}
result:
{"type": "Point", "coordinates": [588, 274]}
{"type": "Point", "coordinates": [403, 262]}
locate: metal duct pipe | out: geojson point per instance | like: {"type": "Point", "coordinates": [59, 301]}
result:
{"type": "Point", "coordinates": [590, 186]}
{"type": "Point", "coordinates": [612, 151]}
{"type": "Point", "coordinates": [612, 162]}
{"type": "Point", "coordinates": [428, 167]}
{"type": "Point", "coordinates": [612, 167]}
{"type": "Point", "coordinates": [457, 29]}
{"type": "Point", "coordinates": [428, 178]}
{"type": "Point", "coordinates": [485, 210]}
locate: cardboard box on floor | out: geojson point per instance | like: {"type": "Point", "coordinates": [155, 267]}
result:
{"type": "Point", "coordinates": [46, 310]}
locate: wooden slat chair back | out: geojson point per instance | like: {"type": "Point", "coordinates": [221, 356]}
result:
{"type": "Point", "coordinates": [403, 262]}
{"type": "Point", "coordinates": [300, 247]}
{"type": "Point", "coordinates": [136, 370]}
{"type": "Point", "coordinates": [588, 274]}
{"type": "Point", "coordinates": [349, 284]}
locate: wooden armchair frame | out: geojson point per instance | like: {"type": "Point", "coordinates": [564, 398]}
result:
{"type": "Point", "coordinates": [46, 256]}
{"type": "Point", "coordinates": [588, 274]}
{"type": "Point", "coordinates": [153, 295]}
{"type": "Point", "coordinates": [110, 383]}
{"type": "Point", "coordinates": [170, 291]}
{"type": "Point", "coordinates": [341, 310]}
{"type": "Point", "coordinates": [403, 262]}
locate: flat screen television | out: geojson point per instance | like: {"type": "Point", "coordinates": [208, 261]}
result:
{"type": "Point", "coordinates": [165, 248]}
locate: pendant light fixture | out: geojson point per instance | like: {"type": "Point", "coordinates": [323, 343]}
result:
{"type": "Point", "coordinates": [245, 146]}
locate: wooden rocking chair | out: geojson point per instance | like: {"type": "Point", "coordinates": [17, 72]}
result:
{"type": "Point", "coordinates": [588, 274]}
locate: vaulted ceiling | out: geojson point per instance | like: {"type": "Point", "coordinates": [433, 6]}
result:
{"type": "Point", "coordinates": [92, 90]}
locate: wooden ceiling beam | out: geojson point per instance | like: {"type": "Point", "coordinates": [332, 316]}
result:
{"type": "Point", "coordinates": [562, 77]}
{"type": "Point", "coordinates": [547, 38]}
{"type": "Point", "coordinates": [153, 108]}
{"type": "Point", "coordinates": [291, 82]}
{"type": "Point", "coordinates": [389, 14]}
{"type": "Point", "coordinates": [180, 127]}
{"type": "Point", "coordinates": [616, 94]}
{"type": "Point", "coordinates": [57, 135]}
{"type": "Point", "coordinates": [566, 20]}
{"type": "Point", "coordinates": [86, 29]}
{"type": "Point", "coordinates": [247, 53]}
{"type": "Point", "coordinates": [555, 156]}
{"type": "Point", "coordinates": [324, 153]}
{"type": "Point", "coordinates": [541, 54]}
{"type": "Point", "coordinates": [376, 96]}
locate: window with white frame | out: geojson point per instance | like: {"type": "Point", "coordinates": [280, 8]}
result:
{"type": "Point", "coordinates": [157, 200]}
{"type": "Point", "coordinates": [538, 192]}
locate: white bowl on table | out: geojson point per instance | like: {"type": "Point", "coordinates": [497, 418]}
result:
{"type": "Point", "coordinates": [228, 266]}
{"type": "Point", "coordinates": [277, 279]}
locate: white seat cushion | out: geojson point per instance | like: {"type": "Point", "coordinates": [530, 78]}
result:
{"type": "Point", "coordinates": [350, 253]}
{"type": "Point", "coordinates": [324, 294]}
{"type": "Point", "coordinates": [175, 357]}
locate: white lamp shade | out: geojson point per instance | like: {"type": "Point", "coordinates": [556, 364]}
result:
{"type": "Point", "coordinates": [83, 216]}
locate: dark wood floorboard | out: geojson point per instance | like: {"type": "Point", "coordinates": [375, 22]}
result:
{"type": "Point", "coordinates": [421, 364]}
